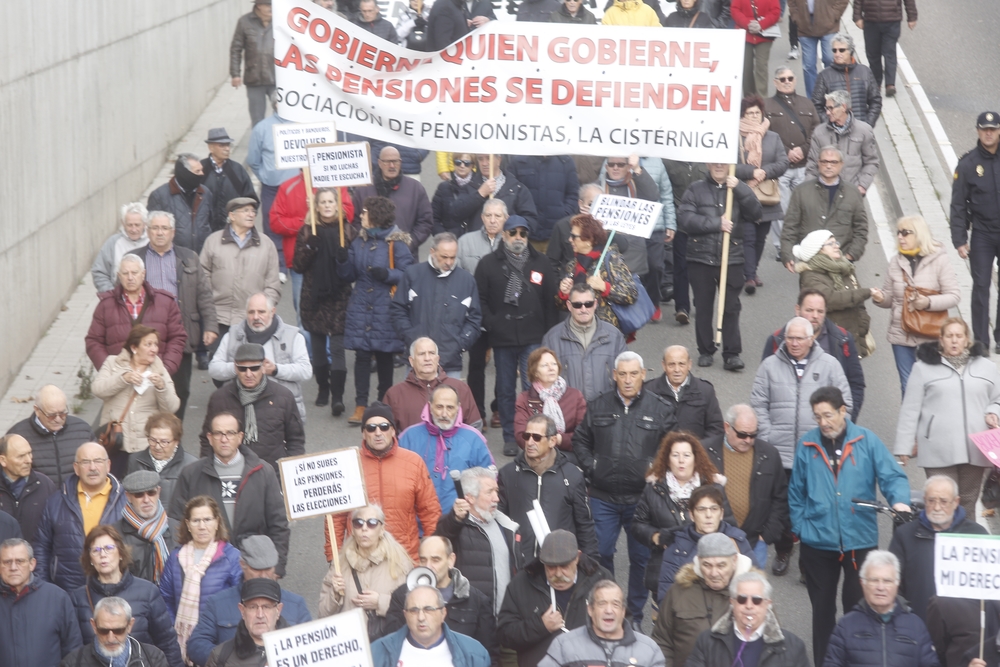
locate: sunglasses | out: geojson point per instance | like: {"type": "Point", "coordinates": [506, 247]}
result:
{"type": "Point", "coordinates": [246, 369]}
{"type": "Point", "coordinates": [785, 79]}
{"type": "Point", "coordinates": [582, 304]}
{"type": "Point", "coordinates": [840, 50]}
{"type": "Point", "coordinates": [462, 163]}
{"type": "Point", "coordinates": [744, 436]}
{"type": "Point", "coordinates": [360, 523]}
{"type": "Point", "coordinates": [618, 165]}
{"type": "Point", "coordinates": [384, 426]}
{"type": "Point", "coordinates": [518, 231]}
{"type": "Point", "coordinates": [152, 493]}
{"type": "Point", "coordinates": [537, 437]}
{"type": "Point", "coordinates": [104, 632]}
{"type": "Point", "coordinates": [904, 232]}
{"type": "Point", "coordinates": [756, 599]}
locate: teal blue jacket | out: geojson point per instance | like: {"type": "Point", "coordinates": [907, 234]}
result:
{"type": "Point", "coordinates": [820, 505]}
{"type": "Point", "coordinates": [465, 651]}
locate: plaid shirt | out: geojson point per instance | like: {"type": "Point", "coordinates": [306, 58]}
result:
{"type": "Point", "coordinates": [134, 308]}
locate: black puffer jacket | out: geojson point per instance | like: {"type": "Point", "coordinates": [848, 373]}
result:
{"type": "Point", "coordinates": [519, 623]}
{"type": "Point", "coordinates": [700, 217]}
{"type": "Point", "coordinates": [53, 454]}
{"type": "Point", "coordinates": [697, 410]}
{"type": "Point", "coordinates": [232, 182]}
{"type": "Point", "coordinates": [141, 655]}
{"type": "Point", "coordinates": [695, 17]}
{"type": "Point", "coordinates": [153, 624]}
{"type": "Point", "coordinates": [470, 613]}
{"type": "Point", "coordinates": [445, 219]}
{"type": "Point", "coordinates": [562, 493]}
{"type": "Point", "coordinates": [858, 80]}
{"type": "Point", "coordinates": [523, 324]}
{"type": "Point", "coordinates": [615, 445]}
{"type": "Point", "coordinates": [474, 556]}
{"type": "Point", "coordinates": [260, 509]}
{"type": "Point", "coordinates": [168, 476]}
{"type": "Point", "coordinates": [863, 639]}
{"type": "Point", "coordinates": [143, 554]}
{"type": "Point", "coordinates": [781, 648]}
{"type": "Point", "coordinates": [29, 507]}
{"type": "Point", "coordinates": [768, 516]}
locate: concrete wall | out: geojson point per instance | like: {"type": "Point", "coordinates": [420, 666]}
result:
{"type": "Point", "coordinates": [92, 96]}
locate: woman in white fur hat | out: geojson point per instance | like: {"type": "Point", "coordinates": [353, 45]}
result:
{"type": "Point", "coordinates": [821, 266]}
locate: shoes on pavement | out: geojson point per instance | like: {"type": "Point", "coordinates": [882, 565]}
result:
{"type": "Point", "coordinates": [202, 361]}
{"type": "Point", "coordinates": [510, 449]}
{"type": "Point", "coordinates": [657, 316]}
{"type": "Point", "coordinates": [667, 295]}
{"type": "Point", "coordinates": [794, 53]}
{"type": "Point", "coordinates": [758, 282]}
{"type": "Point", "coordinates": [323, 397]}
{"type": "Point", "coordinates": [750, 287]}
{"type": "Point", "coordinates": [780, 566]}
{"type": "Point", "coordinates": [337, 408]}
{"type": "Point", "coordinates": [283, 277]}
{"type": "Point", "coordinates": [890, 90]}
{"type": "Point", "coordinates": [359, 414]}
{"type": "Point", "coordinates": [734, 364]}
{"type": "Point", "coordinates": [495, 420]}
{"type": "Point", "coordinates": [705, 360]}
{"type": "Point", "coordinates": [681, 316]}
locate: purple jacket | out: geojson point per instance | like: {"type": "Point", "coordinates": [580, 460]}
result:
{"type": "Point", "coordinates": [223, 573]}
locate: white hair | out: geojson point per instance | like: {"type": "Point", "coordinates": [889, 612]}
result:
{"type": "Point", "coordinates": [114, 606]}
{"type": "Point", "coordinates": [942, 479]}
{"type": "Point", "coordinates": [879, 558]}
{"type": "Point", "coordinates": [748, 577]}
{"type": "Point", "coordinates": [734, 411]}
{"type": "Point", "coordinates": [169, 217]}
{"type": "Point", "coordinates": [628, 355]}
{"type": "Point", "coordinates": [134, 259]}
{"type": "Point", "coordinates": [271, 305]}
{"type": "Point", "coordinates": [472, 477]}
{"type": "Point", "coordinates": [413, 345]}
{"type": "Point", "coordinates": [802, 322]}
{"type": "Point", "coordinates": [134, 207]}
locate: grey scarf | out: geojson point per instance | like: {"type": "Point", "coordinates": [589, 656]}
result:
{"type": "Point", "coordinates": [514, 278]}
{"type": "Point", "coordinates": [247, 398]}
{"type": "Point", "coordinates": [500, 180]}
{"type": "Point", "coordinates": [842, 130]}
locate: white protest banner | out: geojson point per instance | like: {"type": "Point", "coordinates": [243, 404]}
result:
{"type": "Point", "coordinates": [967, 566]}
{"type": "Point", "coordinates": [521, 88]}
{"type": "Point", "coordinates": [291, 139]}
{"type": "Point", "coordinates": [339, 165]}
{"type": "Point", "coordinates": [340, 640]}
{"type": "Point", "coordinates": [626, 215]}
{"type": "Point", "coordinates": [326, 483]}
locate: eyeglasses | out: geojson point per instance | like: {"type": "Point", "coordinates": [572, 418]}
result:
{"type": "Point", "coordinates": [153, 442]}
{"type": "Point", "coordinates": [836, 50]}
{"type": "Point", "coordinates": [390, 161]}
{"type": "Point", "coordinates": [518, 232]}
{"type": "Point", "coordinates": [86, 463]}
{"type": "Point", "coordinates": [248, 369]}
{"type": "Point", "coordinates": [361, 523]}
{"type": "Point", "coordinates": [574, 237]}
{"type": "Point", "coordinates": [104, 632]}
{"type": "Point", "coordinates": [707, 509]}
{"type": "Point", "coordinates": [152, 493]}
{"type": "Point", "coordinates": [414, 611]}
{"type": "Point", "coordinates": [225, 435]}
{"type": "Point", "coordinates": [462, 163]}
{"type": "Point", "coordinates": [829, 161]}
{"type": "Point", "coordinates": [904, 232]}
{"type": "Point", "coordinates": [254, 608]}
{"type": "Point", "coordinates": [785, 79]}
{"type": "Point", "coordinates": [744, 436]}
{"type": "Point", "coordinates": [582, 304]}
{"type": "Point", "coordinates": [384, 426]}
{"type": "Point", "coordinates": [202, 522]}
{"type": "Point", "coordinates": [537, 437]}
{"type": "Point", "coordinates": [829, 108]}
{"type": "Point", "coordinates": [107, 549]}
{"type": "Point", "coordinates": [833, 243]}
{"type": "Point", "coordinates": [797, 339]}
{"type": "Point", "coordinates": [55, 415]}
{"type": "Point", "coordinates": [757, 600]}
{"type": "Point", "coordinates": [938, 502]}
{"type": "Point", "coordinates": [14, 562]}
{"type": "Point", "coordinates": [617, 165]}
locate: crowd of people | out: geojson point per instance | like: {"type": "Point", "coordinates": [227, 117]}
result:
{"type": "Point", "coordinates": [118, 547]}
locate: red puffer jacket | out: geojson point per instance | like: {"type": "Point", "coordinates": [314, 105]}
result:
{"type": "Point", "coordinates": [767, 12]}
{"type": "Point", "coordinates": [112, 323]}
{"type": "Point", "coordinates": [290, 211]}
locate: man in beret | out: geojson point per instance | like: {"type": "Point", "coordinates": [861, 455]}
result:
{"type": "Point", "coordinates": [220, 613]}
{"type": "Point", "coordinates": [227, 179]}
{"type": "Point", "coordinates": [144, 526]}
{"type": "Point", "coordinates": [260, 611]}
{"type": "Point", "coordinates": [239, 262]}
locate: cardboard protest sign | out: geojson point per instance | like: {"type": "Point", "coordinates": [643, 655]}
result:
{"type": "Point", "coordinates": [967, 566]}
{"type": "Point", "coordinates": [626, 215]}
{"type": "Point", "coordinates": [988, 443]}
{"type": "Point", "coordinates": [327, 483]}
{"type": "Point", "coordinates": [334, 165]}
{"type": "Point", "coordinates": [291, 139]}
{"type": "Point", "coordinates": [340, 640]}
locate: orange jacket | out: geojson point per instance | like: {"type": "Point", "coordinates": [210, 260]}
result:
{"type": "Point", "coordinates": [400, 483]}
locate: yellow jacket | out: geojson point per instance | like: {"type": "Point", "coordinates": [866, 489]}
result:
{"type": "Point", "coordinates": [631, 12]}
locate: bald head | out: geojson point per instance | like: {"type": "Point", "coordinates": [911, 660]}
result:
{"type": "Point", "coordinates": [50, 407]}
{"type": "Point", "coordinates": [676, 364]}
{"type": "Point", "coordinates": [92, 466]}
{"type": "Point", "coordinates": [388, 160]}
{"type": "Point", "coordinates": [15, 456]}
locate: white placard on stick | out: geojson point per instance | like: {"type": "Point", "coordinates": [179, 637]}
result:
{"type": "Point", "coordinates": [340, 640]}
{"type": "Point", "coordinates": [326, 483]}
{"type": "Point", "coordinates": [291, 139]}
{"type": "Point", "coordinates": [344, 165]}
{"type": "Point", "coordinates": [967, 566]}
{"type": "Point", "coordinates": [626, 215]}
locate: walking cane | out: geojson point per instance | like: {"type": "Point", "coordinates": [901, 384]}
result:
{"type": "Point", "coordinates": [724, 269]}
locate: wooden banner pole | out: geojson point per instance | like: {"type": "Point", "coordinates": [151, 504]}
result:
{"type": "Point", "coordinates": [724, 269]}
{"type": "Point", "coordinates": [340, 216]}
{"type": "Point", "coordinates": [491, 172]}
{"type": "Point", "coordinates": [333, 544]}
{"type": "Point", "coordinates": [307, 175]}
{"type": "Point", "coordinates": [982, 626]}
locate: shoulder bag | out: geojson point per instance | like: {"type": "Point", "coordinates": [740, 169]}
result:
{"type": "Point", "coordinates": [925, 323]}
{"type": "Point", "coordinates": [767, 191]}
{"type": "Point", "coordinates": [111, 433]}
{"type": "Point", "coordinates": [633, 316]}
{"type": "Point", "coordinates": [376, 623]}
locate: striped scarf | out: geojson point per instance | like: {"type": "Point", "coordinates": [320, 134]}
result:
{"type": "Point", "coordinates": [188, 608]}
{"type": "Point", "coordinates": [151, 530]}
{"type": "Point", "coordinates": [247, 398]}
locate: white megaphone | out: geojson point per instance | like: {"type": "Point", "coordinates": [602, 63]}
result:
{"type": "Point", "coordinates": [421, 576]}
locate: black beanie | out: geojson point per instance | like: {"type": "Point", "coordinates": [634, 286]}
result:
{"type": "Point", "coordinates": [377, 409]}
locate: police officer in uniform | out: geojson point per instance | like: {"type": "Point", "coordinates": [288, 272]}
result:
{"type": "Point", "coordinates": [975, 203]}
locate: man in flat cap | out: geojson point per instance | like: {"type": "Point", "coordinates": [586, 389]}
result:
{"type": "Point", "coordinates": [975, 204]}
{"type": "Point", "coordinates": [239, 261]}
{"type": "Point", "coordinates": [227, 179]}
{"type": "Point", "coordinates": [144, 526]}
{"type": "Point", "coordinates": [570, 574]}
{"type": "Point", "coordinates": [271, 419]}
{"type": "Point", "coordinates": [260, 611]}
{"type": "Point", "coordinates": [220, 613]}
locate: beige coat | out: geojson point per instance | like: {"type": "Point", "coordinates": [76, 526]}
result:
{"type": "Point", "coordinates": [235, 273]}
{"type": "Point", "coordinates": [111, 386]}
{"type": "Point", "coordinates": [373, 573]}
{"type": "Point", "coordinates": [933, 272]}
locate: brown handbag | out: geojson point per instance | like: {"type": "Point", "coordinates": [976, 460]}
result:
{"type": "Point", "coordinates": [925, 323]}
{"type": "Point", "coordinates": [767, 191]}
{"type": "Point", "coordinates": [111, 434]}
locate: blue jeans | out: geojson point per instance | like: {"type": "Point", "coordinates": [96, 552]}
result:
{"type": "Point", "coordinates": [905, 357]}
{"type": "Point", "coordinates": [609, 519]}
{"type": "Point", "coordinates": [508, 360]}
{"type": "Point", "coordinates": [808, 46]}
{"type": "Point", "coordinates": [760, 554]}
